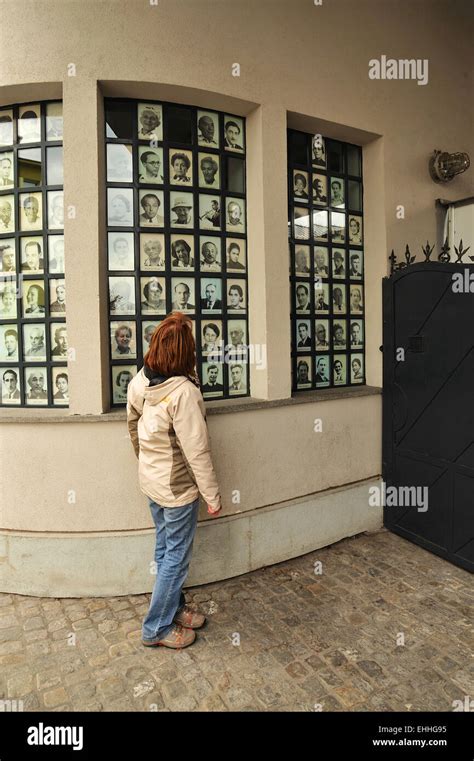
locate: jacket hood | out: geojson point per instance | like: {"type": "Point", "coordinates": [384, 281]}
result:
{"type": "Point", "coordinates": [160, 386]}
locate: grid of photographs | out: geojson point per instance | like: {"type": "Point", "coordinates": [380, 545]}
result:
{"type": "Point", "coordinates": [325, 228]}
{"type": "Point", "coordinates": [177, 238]}
{"type": "Point", "coordinates": [33, 334]}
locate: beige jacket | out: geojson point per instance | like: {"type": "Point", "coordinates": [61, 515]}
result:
{"type": "Point", "coordinates": [168, 429]}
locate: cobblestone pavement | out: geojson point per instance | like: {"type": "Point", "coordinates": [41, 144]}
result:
{"type": "Point", "coordinates": [370, 623]}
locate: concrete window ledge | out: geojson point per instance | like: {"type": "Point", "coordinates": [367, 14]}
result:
{"type": "Point", "coordinates": [217, 407]}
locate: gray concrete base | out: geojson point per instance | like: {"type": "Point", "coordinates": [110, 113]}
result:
{"type": "Point", "coordinates": [120, 563]}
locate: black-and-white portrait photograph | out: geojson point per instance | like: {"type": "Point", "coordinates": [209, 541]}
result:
{"type": "Point", "coordinates": [36, 385]}
{"type": "Point", "coordinates": [150, 121]}
{"type": "Point", "coordinates": [181, 167]}
{"type": "Point", "coordinates": [236, 295]}
{"type": "Point", "coordinates": [10, 380]}
{"type": "Point", "coordinates": [54, 121]}
{"type": "Point", "coordinates": [29, 124]}
{"type": "Point", "coordinates": [119, 163]}
{"type": "Point", "coordinates": [60, 385]}
{"type": "Point", "coordinates": [208, 129]}
{"type": "Point", "coordinates": [355, 230]}
{"type": "Point", "coordinates": [321, 298]}
{"type": "Point", "coordinates": [337, 192]}
{"type": "Point", "coordinates": [57, 296]}
{"type": "Point", "coordinates": [338, 227]}
{"type": "Point", "coordinates": [56, 253]}
{"type": "Point", "coordinates": [338, 263]}
{"type": "Point", "coordinates": [339, 369]}
{"type": "Point", "coordinates": [322, 335]}
{"type": "Point", "coordinates": [303, 335]}
{"type": "Point", "coordinates": [355, 265]}
{"type": "Point", "coordinates": [356, 334]}
{"type": "Point", "coordinates": [301, 223]}
{"type": "Point", "coordinates": [121, 377]}
{"type": "Point", "coordinates": [234, 134]}
{"type": "Point", "coordinates": [236, 337]}
{"type": "Point", "coordinates": [148, 328]}
{"type": "Point", "coordinates": [120, 249]}
{"type": "Point", "coordinates": [210, 212]}
{"type": "Point", "coordinates": [318, 151]}
{"type": "Point", "coordinates": [300, 185]}
{"type": "Point", "coordinates": [31, 211]}
{"type": "Point", "coordinates": [211, 338]}
{"type": "Point", "coordinates": [209, 171]}
{"type": "Point", "coordinates": [55, 209]}
{"type": "Point", "coordinates": [302, 260]}
{"type": "Point", "coordinates": [210, 259]}
{"type": "Point", "coordinates": [153, 295]}
{"type": "Point", "coordinates": [120, 207]}
{"type": "Point", "coordinates": [150, 165]}
{"type": "Point", "coordinates": [8, 297]}
{"type": "Point", "coordinates": [33, 298]}
{"type": "Point", "coordinates": [181, 207]}
{"type": "Point", "coordinates": [212, 383]}
{"type": "Point", "coordinates": [9, 342]}
{"type": "Point", "coordinates": [320, 189]}
{"type": "Point", "coordinates": [182, 252]}
{"type": "Point", "coordinates": [152, 251]}
{"type": "Point", "coordinates": [237, 378]}
{"type": "Point", "coordinates": [320, 225]}
{"type": "Point", "coordinates": [235, 215]}
{"type": "Point", "coordinates": [34, 343]}
{"type": "Point", "coordinates": [121, 295]}
{"type": "Point", "coordinates": [32, 258]}
{"type": "Point", "coordinates": [7, 214]}
{"type": "Point", "coordinates": [303, 372]}
{"type": "Point", "coordinates": [6, 126]}
{"type": "Point", "coordinates": [151, 208]}
{"type": "Point", "coordinates": [211, 294]}
{"type": "Point", "coordinates": [123, 339]}
{"type": "Point", "coordinates": [7, 169]}
{"type": "Point", "coordinates": [339, 338]}
{"type": "Point", "coordinates": [59, 344]}
{"type": "Point", "coordinates": [357, 299]}
{"type": "Point", "coordinates": [183, 294]}
{"type": "Point", "coordinates": [357, 368]}
{"type": "Point", "coordinates": [321, 261]}
{"type": "Point", "coordinates": [236, 255]}
{"type": "Point", "coordinates": [302, 297]}
{"type": "Point", "coordinates": [323, 369]}
{"type": "Point", "coordinates": [339, 299]}
{"type": "Point", "coordinates": [7, 255]}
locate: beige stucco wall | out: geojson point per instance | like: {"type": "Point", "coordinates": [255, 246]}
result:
{"type": "Point", "coordinates": [301, 64]}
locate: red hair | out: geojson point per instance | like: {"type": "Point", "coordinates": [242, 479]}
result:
{"type": "Point", "coordinates": [172, 348]}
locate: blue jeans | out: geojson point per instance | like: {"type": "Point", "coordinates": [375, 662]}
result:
{"type": "Point", "coordinates": [175, 529]}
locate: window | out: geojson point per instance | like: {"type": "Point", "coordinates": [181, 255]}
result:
{"type": "Point", "coordinates": [176, 238]}
{"type": "Point", "coordinates": [33, 337]}
{"type": "Point", "coordinates": [325, 228]}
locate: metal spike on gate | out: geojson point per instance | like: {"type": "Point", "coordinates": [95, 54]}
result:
{"type": "Point", "coordinates": [444, 255]}
{"type": "Point", "coordinates": [393, 260]}
{"type": "Point", "coordinates": [460, 252]}
{"type": "Point", "coordinates": [427, 250]}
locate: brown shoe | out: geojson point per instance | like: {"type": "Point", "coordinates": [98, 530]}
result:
{"type": "Point", "coordinates": [177, 638]}
{"type": "Point", "coordinates": [189, 619]}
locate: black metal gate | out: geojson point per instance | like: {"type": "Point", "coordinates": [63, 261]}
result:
{"type": "Point", "coordinates": [428, 406]}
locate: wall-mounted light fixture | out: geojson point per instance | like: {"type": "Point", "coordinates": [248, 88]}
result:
{"type": "Point", "coordinates": [445, 166]}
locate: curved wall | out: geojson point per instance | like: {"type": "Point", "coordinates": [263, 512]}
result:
{"type": "Point", "coordinates": [72, 520]}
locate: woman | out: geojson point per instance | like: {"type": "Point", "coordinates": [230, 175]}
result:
{"type": "Point", "coordinates": [167, 424]}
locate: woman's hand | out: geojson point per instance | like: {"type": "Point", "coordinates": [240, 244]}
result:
{"type": "Point", "coordinates": [214, 511]}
